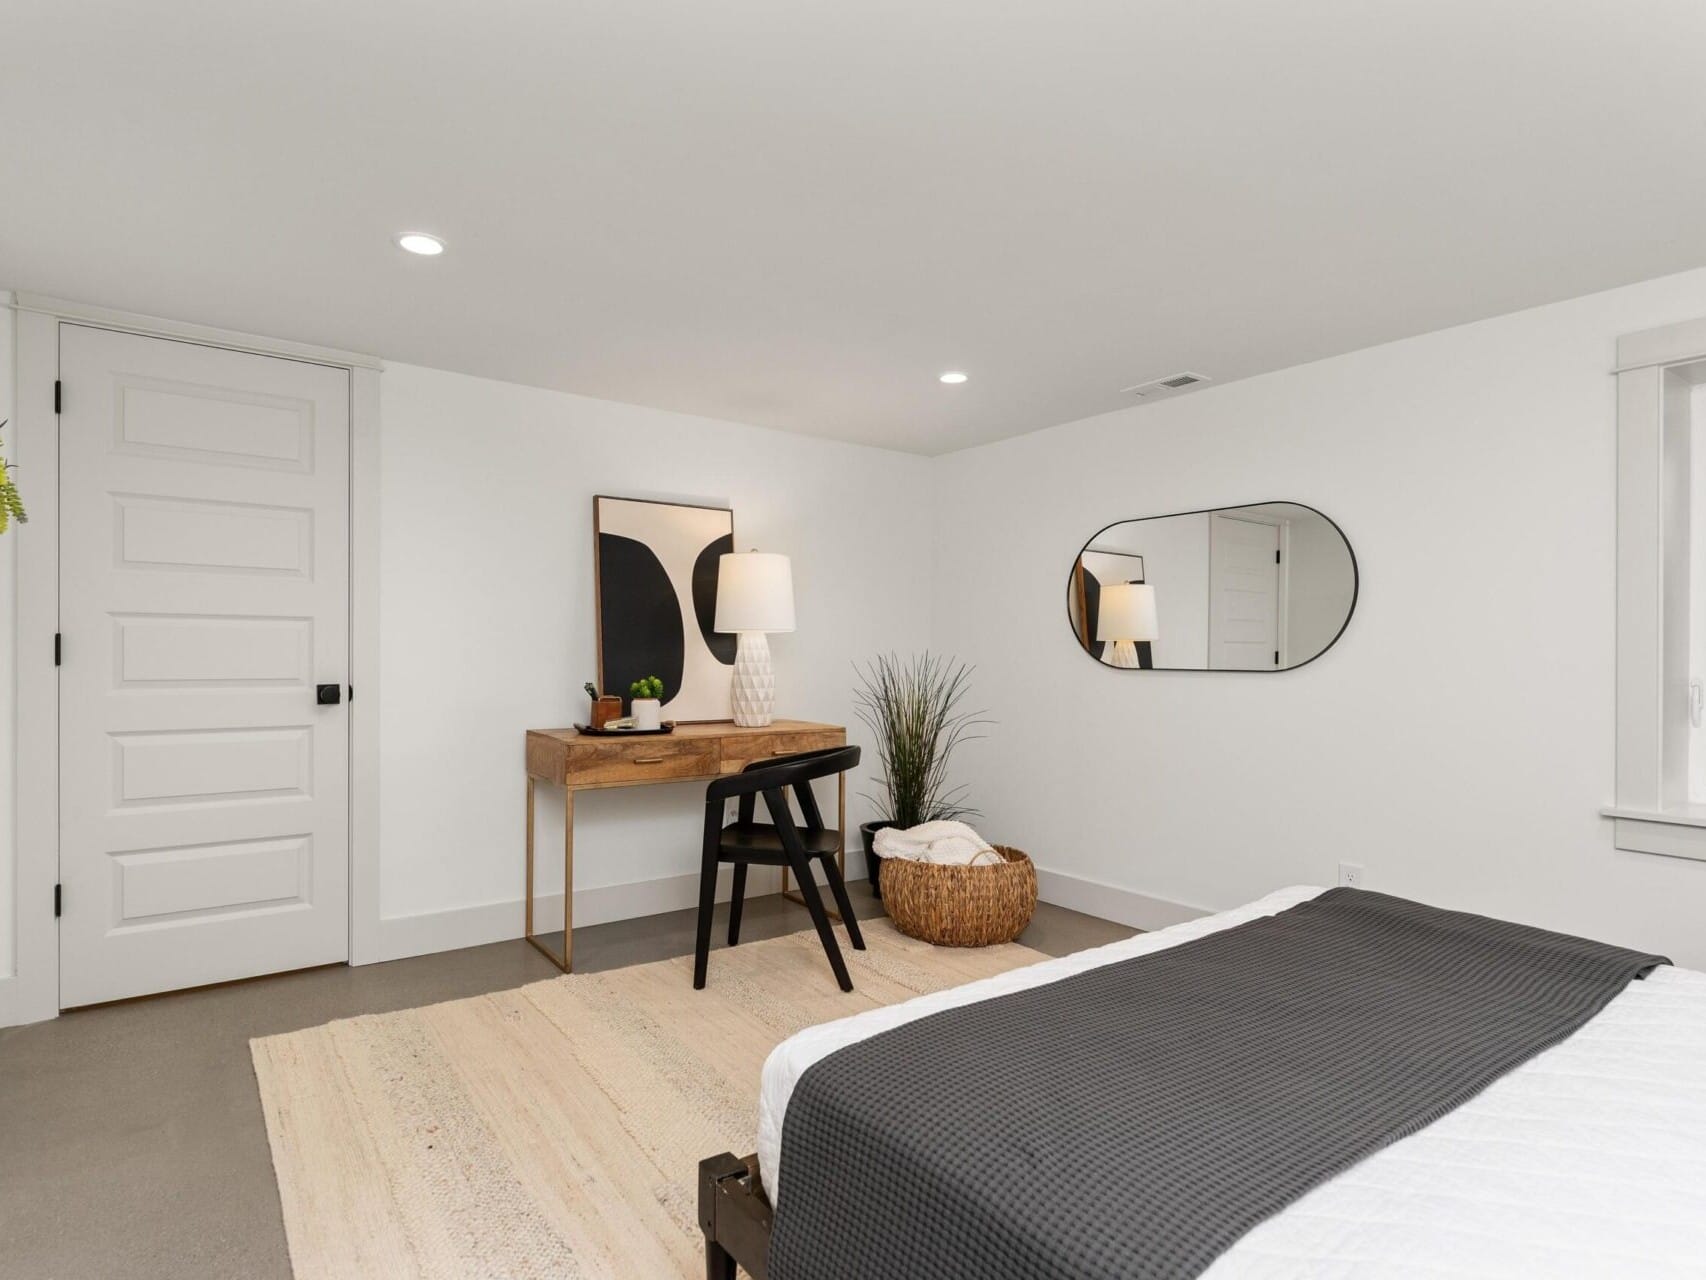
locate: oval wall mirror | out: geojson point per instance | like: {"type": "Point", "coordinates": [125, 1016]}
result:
{"type": "Point", "coordinates": [1266, 587]}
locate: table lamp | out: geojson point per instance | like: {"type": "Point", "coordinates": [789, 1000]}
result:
{"type": "Point", "coordinates": [1126, 614]}
{"type": "Point", "coordinates": [755, 596]}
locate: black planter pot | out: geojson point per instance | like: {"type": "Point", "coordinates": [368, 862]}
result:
{"type": "Point", "coordinates": [873, 863]}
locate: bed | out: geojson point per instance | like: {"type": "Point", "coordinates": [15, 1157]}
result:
{"type": "Point", "coordinates": [1587, 1159]}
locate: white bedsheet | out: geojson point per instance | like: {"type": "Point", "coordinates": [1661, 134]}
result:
{"type": "Point", "coordinates": [1588, 1160]}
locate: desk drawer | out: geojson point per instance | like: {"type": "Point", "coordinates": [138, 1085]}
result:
{"type": "Point", "coordinates": [650, 760]}
{"type": "Point", "coordinates": [738, 752]}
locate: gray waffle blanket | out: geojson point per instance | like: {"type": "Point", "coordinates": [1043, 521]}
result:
{"type": "Point", "coordinates": [1137, 1119]}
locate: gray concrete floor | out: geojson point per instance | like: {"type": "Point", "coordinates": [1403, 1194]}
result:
{"type": "Point", "coordinates": [131, 1138]}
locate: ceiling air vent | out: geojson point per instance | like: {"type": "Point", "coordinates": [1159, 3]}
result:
{"type": "Point", "coordinates": [1162, 386]}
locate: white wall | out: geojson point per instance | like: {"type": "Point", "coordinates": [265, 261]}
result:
{"type": "Point", "coordinates": [8, 661]}
{"type": "Point", "coordinates": [1457, 742]}
{"type": "Point", "coordinates": [1459, 739]}
{"type": "Point", "coordinates": [487, 620]}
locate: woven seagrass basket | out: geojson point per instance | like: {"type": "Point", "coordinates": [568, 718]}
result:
{"type": "Point", "coordinates": [961, 906]}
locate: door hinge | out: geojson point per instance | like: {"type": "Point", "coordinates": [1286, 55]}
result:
{"type": "Point", "coordinates": [58, 900]}
{"type": "Point", "coordinates": [57, 385]}
{"type": "Point", "coordinates": [58, 648]}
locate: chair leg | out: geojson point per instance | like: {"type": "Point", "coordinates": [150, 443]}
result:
{"type": "Point", "coordinates": [802, 870]}
{"type": "Point", "coordinates": [736, 902]}
{"type": "Point", "coordinates": [707, 895]}
{"type": "Point", "coordinates": [843, 904]}
{"type": "Point", "coordinates": [702, 941]}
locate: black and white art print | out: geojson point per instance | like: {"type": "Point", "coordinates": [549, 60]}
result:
{"type": "Point", "coordinates": [657, 598]}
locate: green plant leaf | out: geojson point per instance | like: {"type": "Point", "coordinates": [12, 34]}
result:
{"type": "Point", "coordinates": [913, 708]}
{"type": "Point", "coordinates": [11, 505]}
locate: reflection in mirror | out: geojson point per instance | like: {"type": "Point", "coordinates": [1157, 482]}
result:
{"type": "Point", "coordinates": [1257, 588]}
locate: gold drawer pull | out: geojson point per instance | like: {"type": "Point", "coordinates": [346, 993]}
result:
{"type": "Point", "coordinates": [648, 759]}
{"type": "Point", "coordinates": [783, 751]}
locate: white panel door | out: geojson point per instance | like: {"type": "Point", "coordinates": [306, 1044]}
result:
{"type": "Point", "coordinates": [204, 593]}
{"type": "Point", "coordinates": [1243, 577]}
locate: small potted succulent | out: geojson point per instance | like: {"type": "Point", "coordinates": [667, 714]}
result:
{"type": "Point", "coordinates": [646, 704]}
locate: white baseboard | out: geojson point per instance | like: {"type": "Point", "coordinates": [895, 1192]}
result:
{"type": "Point", "coordinates": [1109, 902]}
{"type": "Point", "coordinates": [487, 922]}
{"type": "Point", "coordinates": [476, 926]}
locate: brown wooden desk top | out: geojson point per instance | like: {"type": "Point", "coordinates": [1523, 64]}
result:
{"type": "Point", "coordinates": [569, 758]}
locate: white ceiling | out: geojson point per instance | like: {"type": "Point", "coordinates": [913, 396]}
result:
{"type": "Point", "coordinates": [798, 212]}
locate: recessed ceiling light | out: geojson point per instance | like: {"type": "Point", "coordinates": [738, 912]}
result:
{"type": "Point", "coordinates": [420, 242]}
{"type": "Point", "coordinates": [953, 376]}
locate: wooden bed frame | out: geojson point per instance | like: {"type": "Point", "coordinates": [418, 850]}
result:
{"type": "Point", "coordinates": [735, 1215]}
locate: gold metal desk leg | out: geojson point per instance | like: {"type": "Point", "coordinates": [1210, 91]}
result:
{"type": "Point", "coordinates": [527, 926]}
{"type": "Point", "coordinates": [562, 961]}
{"type": "Point", "coordinates": [568, 878]}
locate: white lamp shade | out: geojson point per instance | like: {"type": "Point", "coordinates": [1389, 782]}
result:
{"type": "Point", "coordinates": [1127, 612]}
{"type": "Point", "coordinates": [755, 592]}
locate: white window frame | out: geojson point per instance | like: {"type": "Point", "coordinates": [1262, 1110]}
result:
{"type": "Point", "coordinates": [31, 994]}
{"type": "Point", "coordinates": [1652, 812]}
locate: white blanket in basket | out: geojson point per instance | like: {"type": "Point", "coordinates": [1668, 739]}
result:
{"type": "Point", "coordinates": [951, 844]}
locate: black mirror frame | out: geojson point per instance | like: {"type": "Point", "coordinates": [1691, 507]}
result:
{"type": "Point", "coordinates": [1356, 589]}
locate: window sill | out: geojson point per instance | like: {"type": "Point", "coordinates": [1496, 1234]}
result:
{"type": "Point", "coordinates": [1678, 832]}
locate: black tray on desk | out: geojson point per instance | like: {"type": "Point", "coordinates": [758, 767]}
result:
{"type": "Point", "coordinates": [668, 726]}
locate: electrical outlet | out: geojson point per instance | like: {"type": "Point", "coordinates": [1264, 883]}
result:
{"type": "Point", "coordinates": [1350, 875]}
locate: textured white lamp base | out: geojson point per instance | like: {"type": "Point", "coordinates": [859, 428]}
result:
{"type": "Point", "coordinates": [754, 692]}
{"type": "Point", "coordinates": [1124, 654]}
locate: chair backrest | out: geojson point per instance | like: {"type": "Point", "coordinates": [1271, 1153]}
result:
{"type": "Point", "coordinates": [780, 773]}
{"type": "Point", "coordinates": [811, 764]}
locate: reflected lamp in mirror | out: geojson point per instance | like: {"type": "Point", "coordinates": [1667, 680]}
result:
{"type": "Point", "coordinates": [1127, 616]}
{"type": "Point", "coordinates": [1265, 587]}
{"type": "Point", "coordinates": [755, 596]}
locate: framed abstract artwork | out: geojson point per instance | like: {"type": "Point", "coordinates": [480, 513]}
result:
{"type": "Point", "coordinates": [655, 576]}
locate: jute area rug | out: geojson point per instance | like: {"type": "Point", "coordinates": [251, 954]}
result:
{"type": "Point", "coordinates": [554, 1130]}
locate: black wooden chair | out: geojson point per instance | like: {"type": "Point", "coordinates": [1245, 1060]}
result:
{"type": "Point", "coordinates": [781, 842]}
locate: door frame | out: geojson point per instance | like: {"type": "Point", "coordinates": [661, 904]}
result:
{"type": "Point", "coordinates": [32, 993]}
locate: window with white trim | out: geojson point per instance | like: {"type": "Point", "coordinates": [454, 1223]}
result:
{"type": "Point", "coordinates": [1661, 591]}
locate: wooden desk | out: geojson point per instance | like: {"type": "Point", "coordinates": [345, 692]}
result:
{"type": "Point", "coordinates": [575, 761]}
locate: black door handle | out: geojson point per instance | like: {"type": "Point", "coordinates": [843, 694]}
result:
{"type": "Point", "coordinates": [328, 695]}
